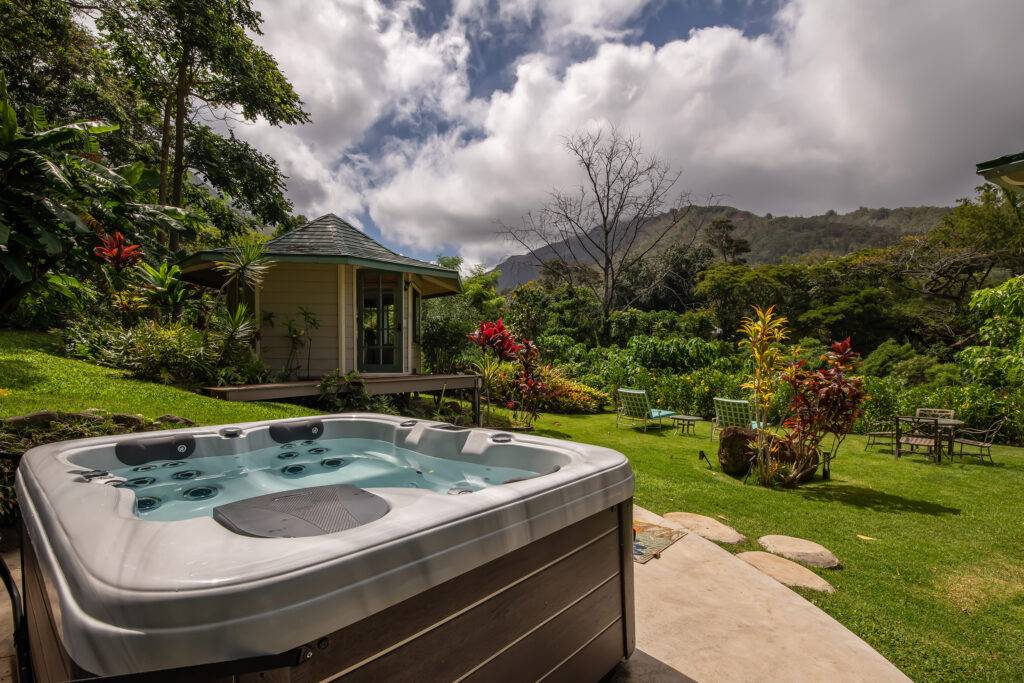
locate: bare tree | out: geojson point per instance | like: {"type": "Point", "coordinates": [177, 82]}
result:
{"type": "Point", "coordinates": [610, 223]}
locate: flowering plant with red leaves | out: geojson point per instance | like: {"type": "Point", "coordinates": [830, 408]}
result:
{"type": "Point", "coordinates": [826, 402]}
{"type": "Point", "coordinates": [495, 336]}
{"type": "Point", "coordinates": [116, 251]}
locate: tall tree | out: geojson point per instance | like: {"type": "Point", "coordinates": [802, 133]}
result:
{"type": "Point", "coordinates": [624, 208]}
{"type": "Point", "coordinates": [197, 57]}
{"type": "Point", "coordinates": [719, 236]}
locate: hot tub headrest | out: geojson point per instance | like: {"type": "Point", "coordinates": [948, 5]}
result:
{"type": "Point", "coordinates": [142, 451]}
{"type": "Point", "coordinates": [297, 431]}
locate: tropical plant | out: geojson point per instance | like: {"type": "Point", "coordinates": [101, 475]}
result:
{"type": "Point", "coordinates": [826, 403]}
{"type": "Point", "coordinates": [167, 291]}
{"type": "Point", "coordinates": [58, 196]}
{"type": "Point", "coordinates": [245, 265]}
{"type": "Point", "coordinates": [763, 335]}
{"type": "Point", "coordinates": [529, 386]}
{"type": "Point", "coordinates": [340, 392]}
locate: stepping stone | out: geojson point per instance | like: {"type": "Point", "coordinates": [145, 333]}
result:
{"type": "Point", "coordinates": [801, 550]}
{"type": "Point", "coordinates": [707, 527]}
{"type": "Point", "coordinates": [786, 571]}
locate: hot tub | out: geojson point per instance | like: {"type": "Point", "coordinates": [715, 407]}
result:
{"type": "Point", "coordinates": [366, 546]}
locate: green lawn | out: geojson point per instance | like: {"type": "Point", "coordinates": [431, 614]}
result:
{"type": "Point", "coordinates": [39, 379]}
{"type": "Point", "coordinates": [940, 591]}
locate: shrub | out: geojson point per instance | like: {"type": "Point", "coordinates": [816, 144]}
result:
{"type": "Point", "coordinates": [560, 394]}
{"type": "Point", "coordinates": [171, 353]}
{"type": "Point", "coordinates": [673, 353]}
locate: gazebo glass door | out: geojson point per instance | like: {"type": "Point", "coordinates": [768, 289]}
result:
{"type": "Point", "coordinates": [380, 322]}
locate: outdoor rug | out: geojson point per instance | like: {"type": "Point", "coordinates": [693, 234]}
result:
{"type": "Point", "coordinates": [650, 540]}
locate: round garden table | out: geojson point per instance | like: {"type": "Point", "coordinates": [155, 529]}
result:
{"type": "Point", "coordinates": [686, 423]}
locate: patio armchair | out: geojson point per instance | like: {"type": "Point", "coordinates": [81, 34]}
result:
{"type": "Point", "coordinates": [731, 412]}
{"type": "Point", "coordinates": [918, 432]}
{"type": "Point", "coordinates": [880, 433]}
{"type": "Point", "coordinates": [634, 407]}
{"type": "Point", "coordinates": [979, 439]}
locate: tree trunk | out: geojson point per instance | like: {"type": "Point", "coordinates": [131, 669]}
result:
{"type": "Point", "coordinates": [178, 177]}
{"type": "Point", "coordinates": [165, 146]}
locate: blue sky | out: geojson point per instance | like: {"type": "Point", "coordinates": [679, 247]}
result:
{"type": "Point", "coordinates": [435, 122]}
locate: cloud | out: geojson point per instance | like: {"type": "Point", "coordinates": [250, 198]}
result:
{"type": "Point", "coordinates": [844, 104]}
{"type": "Point", "coordinates": [354, 63]}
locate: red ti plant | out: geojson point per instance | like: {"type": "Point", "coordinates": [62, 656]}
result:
{"type": "Point", "coordinates": [529, 387]}
{"type": "Point", "coordinates": [826, 402]}
{"type": "Point", "coordinates": [495, 336]}
{"type": "Point", "coordinates": [116, 251]}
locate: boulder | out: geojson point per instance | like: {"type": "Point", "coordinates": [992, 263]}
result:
{"type": "Point", "coordinates": [706, 527]}
{"type": "Point", "coordinates": [84, 415]}
{"type": "Point", "coordinates": [41, 418]}
{"type": "Point", "coordinates": [128, 420]}
{"type": "Point", "coordinates": [734, 450]}
{"type": "Point", "coordinates": [175, 419]}
{"type": "Point", "coordinates": [801, 550]}
{"type": "Point", "coordinates": [785, 571]}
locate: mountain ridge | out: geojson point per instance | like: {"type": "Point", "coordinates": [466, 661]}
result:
{"type": "Point", "coordinates": [773, 239]}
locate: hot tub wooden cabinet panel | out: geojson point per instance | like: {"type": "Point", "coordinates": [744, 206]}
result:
{"type": "Point", "coordinates": [559, 608]}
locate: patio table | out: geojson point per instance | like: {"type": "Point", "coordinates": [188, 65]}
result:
{"type": "Point", "coordinates": [686, 423]}
{"type": "Point", "coordinates": [946, 425]}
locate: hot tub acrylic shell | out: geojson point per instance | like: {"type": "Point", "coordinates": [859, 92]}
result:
{"type": "Point", "coordinates": [133, 595]}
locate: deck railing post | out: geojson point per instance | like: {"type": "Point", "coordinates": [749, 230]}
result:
{"type": "Point", "coordinates": [476, 403]}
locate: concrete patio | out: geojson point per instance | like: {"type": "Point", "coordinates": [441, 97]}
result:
{"type": "Point", "coordinates": [703, 614]}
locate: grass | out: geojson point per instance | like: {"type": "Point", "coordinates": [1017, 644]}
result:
{"type": "Point", "coordinates": [37, 378]}
{"type": "Point", "coordinates": [939, 590]}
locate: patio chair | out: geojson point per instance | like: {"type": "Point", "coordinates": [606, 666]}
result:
{"type": "Point", "coordinates": [880, 433]}
{"type": "Point", "coordinates": [634, 407]}
{"type": "Point", "coordinates": [918, 432]}
{"type": "Point", "coordinates": [731, 412]}
{"type": "Point", "coordinates": [980, 439]}
{"type": "Point", "coordinates": [941, 413]}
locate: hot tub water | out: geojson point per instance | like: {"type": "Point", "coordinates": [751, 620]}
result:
{"type": "Point", "coordinates": [174, 490]}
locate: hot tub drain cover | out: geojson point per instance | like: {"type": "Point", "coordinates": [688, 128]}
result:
{"type": "Point", "coordinates": [302, 512]}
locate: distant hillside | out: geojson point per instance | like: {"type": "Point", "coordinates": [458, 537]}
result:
{"type": "Point", "coordinates": [774, 239]}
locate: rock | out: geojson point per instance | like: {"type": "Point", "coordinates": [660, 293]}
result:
{"type": "Point", "coordinates": [84, 415]}
{"type": "Point", "coordinates": [706, 527]}
{"type": "Point", "coordinates": [785, 571]}
{"type": "Point", "coordinates": [175, 419]}
{"type": "Point", "coordinates": [734, 450]}
{"type": "Point", "coordinates": [128, 420]}
{"type": "Point", "coordinates": [41, 418]}
{"type": "Point", "coordinates": [801, 550]}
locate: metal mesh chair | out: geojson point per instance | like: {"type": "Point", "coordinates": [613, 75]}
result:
{"type": "Point", "coordinates": [731, 412]}
{"type": "Point", "coordinates": [919, 432]}
{"type": "Point", "coordinates": [980, 440]}
{"type": "Point", "coordinates": [880, 433]}
{"type": "Point", "coordinates": [634, 407]}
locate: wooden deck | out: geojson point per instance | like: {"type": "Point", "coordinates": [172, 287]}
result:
{"type": "Point", "coordinates": [392, 383]}
{"type": "Point", "coordinates": [397, 383]}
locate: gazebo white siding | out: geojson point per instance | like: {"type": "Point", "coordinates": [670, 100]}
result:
{"type": "Point", "coordinates": [314, 286]}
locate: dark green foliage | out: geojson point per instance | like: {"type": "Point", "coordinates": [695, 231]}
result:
{"type": "Point", "coordinates": [672, 353]}
{"type": "Point", "coordinates": [58, 200]}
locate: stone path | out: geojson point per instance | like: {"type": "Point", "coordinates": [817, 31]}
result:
{"type": "Point", "coordinates": [800, 550]}
{"type": "Point", "coordinates": [786, 571]}
{"type": "Point", "coordinates": [703, 614]}
{"type": "Point", "coordinates": [706, 527]}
